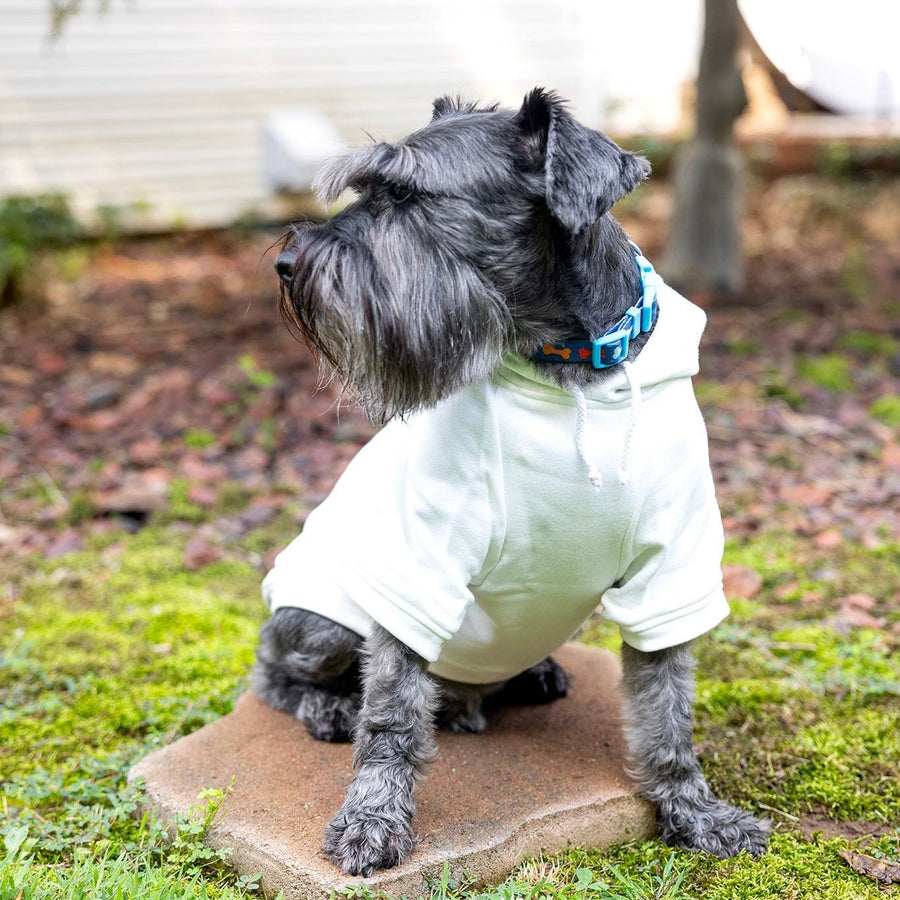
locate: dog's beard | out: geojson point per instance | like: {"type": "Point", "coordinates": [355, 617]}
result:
{"type": "Point", "coordinates": [400, 337]}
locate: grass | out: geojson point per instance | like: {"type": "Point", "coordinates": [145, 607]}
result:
{"type": "Point", "coordinates": [117, 649]}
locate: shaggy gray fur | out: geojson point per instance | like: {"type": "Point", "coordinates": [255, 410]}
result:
{"type": "Point", "coordinates": [660, 720]}
{"type": "Point", "coordinates": [485, 232]}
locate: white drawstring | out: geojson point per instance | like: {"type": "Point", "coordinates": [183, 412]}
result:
{"type": "Point", "coordinates": [594, 476]}
{"type": "Point", "coordinates": [624, 472]}
{"type": "Point", "coordinates": [581, 442]}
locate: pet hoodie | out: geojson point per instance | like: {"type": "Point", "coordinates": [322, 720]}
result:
{"type": "Point", "coordinates": [474, 533]}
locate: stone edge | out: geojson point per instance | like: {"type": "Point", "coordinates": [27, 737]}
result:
{"type": "Point", "coordinates": [586, 823]}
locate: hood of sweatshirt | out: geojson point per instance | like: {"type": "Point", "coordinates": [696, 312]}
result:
{"type": "Point", "coordinates": [671, 352]}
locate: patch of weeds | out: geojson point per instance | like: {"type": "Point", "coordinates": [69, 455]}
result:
{"type": "Point", "coordinates": [81, 507]}
{"type": "Point", "coordinates": [65, 810]}
{"type": "Point", "coordinates": [233, 497]}
{"type": "Point", "coordinates": [146, 864]}
{"type": "Point", "coordinates": [830, 371]}
{"type": "Point", "coordinates": [744, 348]}
{"type": "Point", "coordinates": [598, 632]}
{"type": "Point", "coordinates": [137, 654]}
{"type": "Point", "coordinates": [776, 385]}
{"type": "Point", "coordinates": [134, 657]}
{"type": "Point", "coordinates": [276, 533]}
{"type": "Point", "coordinates": [793, 867]}
{"type": "Point", "coordinates": [869, 343]}
{"type": "Point", "coordinates": [773, 554]}
{"type": "Point", "coordinates": [711, 393]}
{"type": "Point", "coordinates": [181, 507]}
{"type": "Point", "coordinates": [267, 437]}
{"type": "Point", "coordinates": [29, 226]}
{"type": "Point", "coordinates": [852, 767]}
{"type": "Point", "coordinates": [887, 410]}
{"type": "Point", "coordinates": [765, 743]}
{"type": "Point", "coordinates": [256, 377]}
{"type": "Point", "coordinates": [855, 278]}
{"type": "Point", "coordinates": [199, 438]}
{"type": "Point", "coordinates": [789, 315]}
{"type": "Point", "coordinates": [825, 661]}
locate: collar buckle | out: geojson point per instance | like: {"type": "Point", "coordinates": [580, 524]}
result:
{"type": "Point", "coordinates": [610, 349]}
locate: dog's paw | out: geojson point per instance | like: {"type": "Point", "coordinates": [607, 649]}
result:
{"type": "Point", "coordinates": [472, 721]}
{"type": "Point", "coordinates": [328, 717]}
{"type": "Point", "coordinates": [361, 841]}
{"type": "Point", "coordinates": [714, 827]}
{"type": "Point", "coordinates": [543, 683]}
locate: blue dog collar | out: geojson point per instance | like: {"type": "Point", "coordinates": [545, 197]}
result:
{"type": "Point", "coordinates": [611, 348]}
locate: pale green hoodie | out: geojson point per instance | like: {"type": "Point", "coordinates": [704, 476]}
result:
{"type": "Point", "coordinates": [482, 535]}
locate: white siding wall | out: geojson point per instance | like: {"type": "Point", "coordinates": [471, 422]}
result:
{"type": "Point", "coordinates": [159, 103]}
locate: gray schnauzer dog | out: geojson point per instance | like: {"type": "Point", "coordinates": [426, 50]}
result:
{"type": "Point", "coordinates": [476, 531]}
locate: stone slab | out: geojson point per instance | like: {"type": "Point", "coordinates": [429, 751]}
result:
{"type": "Point", "coordinates": [538, 780]}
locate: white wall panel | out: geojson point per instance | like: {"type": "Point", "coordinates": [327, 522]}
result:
{"type": "Point", "coordinates": [161, 102]}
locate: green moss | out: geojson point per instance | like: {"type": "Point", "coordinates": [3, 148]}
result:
{"type": "Point", "coordinates": [830, 371]}
{"type": "Point", "coordinates": [855, 279]}
{"type": "Point", "coordinates": [199, 438]}
{"type": "Point", "coordinates": [774, 384]}
{"type": "Point", "coordinates": [870, 343]}
{"type": "Point", "coordinates": [887, 409]}
{"type": "Point", "coordinates": [180, 507]}
{"type": "Point", "coordinates": [794, 868]}
{"type": "Point", "coordinates": [711, 393]}
{"type": "Point", "coordinates": [121, 661]}
{"type": "Point", "coordinates": [109, 655]}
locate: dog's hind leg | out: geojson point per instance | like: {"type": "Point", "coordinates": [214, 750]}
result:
{"type": "Point", "coordinates": [659, 687]}
{"type": "Point", "coordinates": [308, 666]}
{"type": "Point", "coordinates": [394, 741]}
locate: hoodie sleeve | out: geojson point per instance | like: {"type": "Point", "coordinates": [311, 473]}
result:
{"type": "Point", "coordinates": [670, 590]}
{"type": "Point", "coordinates": [403, 532]}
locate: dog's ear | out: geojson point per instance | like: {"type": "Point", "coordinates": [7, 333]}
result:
{"type": "Point", "coordinates": [585, 172]}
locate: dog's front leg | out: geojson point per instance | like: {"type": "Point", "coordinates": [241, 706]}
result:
{"type": "Point", "coordinates": [393, 741]}
{"type": "Point", "coordinates": [659, 688]}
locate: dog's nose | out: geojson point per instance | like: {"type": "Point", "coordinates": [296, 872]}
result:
{"type": "Point", "coordinates": [284, 266]}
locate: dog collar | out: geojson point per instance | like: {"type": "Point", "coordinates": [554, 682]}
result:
{"type": "Point", "coordinates": [611, 347]}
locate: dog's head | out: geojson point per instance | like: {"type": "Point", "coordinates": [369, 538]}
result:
{"type": "Point", "coordinates": [453, 252]}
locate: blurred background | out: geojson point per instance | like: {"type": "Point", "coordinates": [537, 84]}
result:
{"type": "Point", "coordinates": [162, 114]}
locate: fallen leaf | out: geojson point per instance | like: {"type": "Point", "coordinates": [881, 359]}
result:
{"type": "Point", "coordinates": [741, 582]}
{"type": "Point", "coordinates": [195, 469]}
{"type": "Point", "coordinates": [16, 375]}
{"type": "Point", "coordinates": [880, 870]}
{"type": "Point", "coordinates": [146, 452]}
{"type": "Point", "coordinates": [829, 539]}
{"type": "Point", "coordinates": [890, 456]}
{"type": "Point", "coordinates": [859, 600]}
{"type": "Point", "coordinates": [805, 494]}
{"type": "Point", "coordinates": [198, 554]}
{"type": "Point", "coordinates": [67, 542]}
{"type": "Point", "coordinates": [853, 611]}
{"type": "Point", "coordinates": [129, 500]}
{"type": "Point", "coordinates": [202, 495]}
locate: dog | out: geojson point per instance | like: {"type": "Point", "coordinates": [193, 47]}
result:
{"type": "Point", "coordinates": [543, 454]}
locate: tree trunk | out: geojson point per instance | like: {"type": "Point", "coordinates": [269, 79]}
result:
{"type": "Point", "coordinates": [704, 251]}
